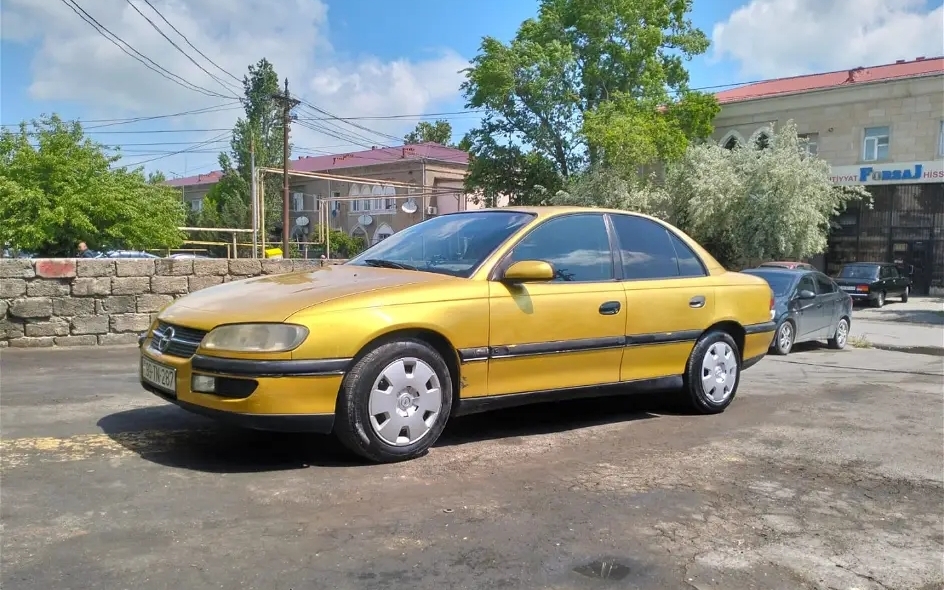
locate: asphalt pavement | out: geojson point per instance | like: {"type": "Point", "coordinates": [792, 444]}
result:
{"type": "Point", "coordinates": [827, 472]}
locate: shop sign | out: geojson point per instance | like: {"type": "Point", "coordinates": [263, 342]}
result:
{"type": "Point", "coordinates": [898, 173]}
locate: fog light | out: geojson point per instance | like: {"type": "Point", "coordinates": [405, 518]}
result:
{"type": "Point", "coordinates": [203, 384]}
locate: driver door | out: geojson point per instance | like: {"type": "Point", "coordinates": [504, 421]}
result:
{"type": "Point", "coordinates": [563, 333]}
{"type": "Point", "coordinates": [808, 312]}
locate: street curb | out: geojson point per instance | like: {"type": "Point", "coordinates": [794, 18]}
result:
{"type": "Point", "coordinates": [928, 350]}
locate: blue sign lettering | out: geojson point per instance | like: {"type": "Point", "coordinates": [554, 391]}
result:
{"type": "Point", "coordinates": [867, 172]}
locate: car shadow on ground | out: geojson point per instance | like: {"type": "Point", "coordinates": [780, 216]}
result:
{"type": "Point", "coordinates": [169, 436]}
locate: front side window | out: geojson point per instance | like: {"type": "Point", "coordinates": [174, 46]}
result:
{"type": "Point", "coordinates": [824, 285]}
{"type": "Point", "coordinates": [875, 144]}
{"type": "Point", "coordinates": [649, 251]}
{"type": "Point", "coordinates": [454, 244]}
{"type": "Point", "coordinates": [806, 284]}
{"type": "Point", "coordinates": [576, 246]}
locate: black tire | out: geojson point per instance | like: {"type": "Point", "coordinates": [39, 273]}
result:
{"type": "Point", "coordinates": [779, 348]}
{"type": "Point", "coordinates": [694, 388]}
{"type": "Point", "coordinates": [879, 301]}
{"type": "Point", "coordinates": [839, 339]}
{"type": "Point", "coordinates": [352, 423]}
{"type": "Point", "coordinates": [904, 296]}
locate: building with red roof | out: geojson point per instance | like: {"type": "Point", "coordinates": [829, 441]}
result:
{"type": "Point", "coordinates": [368, 194]}
{"type": "Point", "coordinates": [881, 127]}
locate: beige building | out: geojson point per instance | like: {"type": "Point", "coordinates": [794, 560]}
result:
{"type": "Point", "coordinates": [881, 127]}
{"type": "Point", "coordinates": [371, 194]}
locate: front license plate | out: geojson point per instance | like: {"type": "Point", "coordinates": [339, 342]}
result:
{"type": "Point", "coordinates": [158, 375]}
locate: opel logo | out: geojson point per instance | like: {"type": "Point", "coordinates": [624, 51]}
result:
{"type": "Point", "coordinates": [163, 343]}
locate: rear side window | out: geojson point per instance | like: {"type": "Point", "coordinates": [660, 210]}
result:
{"type": "Point", "coordinates": [649, 251]}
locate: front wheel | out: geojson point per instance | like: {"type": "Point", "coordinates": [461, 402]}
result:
{"type": "Point", "coordinates": [838, 341]}
{"type": "Point", "coordinates": [395, 401]}
{"type": "Point", "coordinates": [904, 296]}
{"type": "Point", "coordinates": [783, 341]}
{"type": "Point", "coordinates": [713, 372]}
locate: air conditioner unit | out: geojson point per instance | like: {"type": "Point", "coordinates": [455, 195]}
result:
{"type": "Point", "coordinates": [432, 210]}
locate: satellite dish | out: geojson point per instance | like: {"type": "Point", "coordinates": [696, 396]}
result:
{"type": "Point", "coordinates": [365, 220]}
{"type": "Point", "coordinates": [301, 221]}
{"type": "Point", "coordinates": [409, 207]}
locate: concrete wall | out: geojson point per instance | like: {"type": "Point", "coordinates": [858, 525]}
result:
{"type": "Point", "coordinates": [68, 302]}
{"type": "Point", "coordinates": [912, 108]}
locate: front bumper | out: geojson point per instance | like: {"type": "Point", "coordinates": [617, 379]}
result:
{"type": "Point", "coordinates": [286, 396]}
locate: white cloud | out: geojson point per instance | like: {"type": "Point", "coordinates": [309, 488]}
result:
{"type": "Point", "coordinates": [75, 63]}
{"type": "Point", "coordinates": [773, 38]}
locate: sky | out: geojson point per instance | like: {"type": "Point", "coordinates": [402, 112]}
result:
{"type": "Point", "coordinates": [382, 65]}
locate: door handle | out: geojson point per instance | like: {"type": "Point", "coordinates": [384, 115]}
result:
{"type": "Point", "coordinates": [697, 301]}
{"type": "Point", "coordinates": [610, 308]}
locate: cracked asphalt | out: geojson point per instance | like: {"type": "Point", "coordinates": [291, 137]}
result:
{"type": "Point", "coordinates": [827, 472]}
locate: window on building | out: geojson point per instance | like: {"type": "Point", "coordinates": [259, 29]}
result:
{"type": "Point", "coordinates": [875, 144]}
{"type": "Point", "coordinates": [809, 144]}
{"type": "Point", "coordinates": [940, 141]}
{"type": "Point", "coordinates": [762, 142]}
{"type": "Point", "coordinates": [336, 203]}
{"type": "Point", "coordinates": [356, 205]}
{"type": "Point", "coordinates": [298, 201]}
{"type": "Point", "coordinates": [196, 205]}
{"type": "Point", "coordinates": [731, 143]}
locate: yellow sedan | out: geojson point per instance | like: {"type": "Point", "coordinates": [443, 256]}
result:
{"type": "Point", "coordinates": [462, 313]}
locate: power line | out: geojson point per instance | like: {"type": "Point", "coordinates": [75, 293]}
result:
{"type": "Point", "coordinates": [113, 122]}
{"type": "Point", "coordinates": [158, 131]}
{"type": "Point", "coordinates": [183, 151]}
{"type": "Point", "coordinates": [184, 37]}
{"type": "Point", "coordinates": [177, 47]}
{"type": "Point", "coordinates": [137, 55]}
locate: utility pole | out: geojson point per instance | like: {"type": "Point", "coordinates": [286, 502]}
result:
{"type": "Point", "coordinates": [288, 103]}
{"type": "Point", "coordinates": [252, 194]}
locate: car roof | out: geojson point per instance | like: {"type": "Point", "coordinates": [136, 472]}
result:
{"type": "Point", "coordinates": [868, 264]}
{"type": "Point", "coordinates": [546, 211]}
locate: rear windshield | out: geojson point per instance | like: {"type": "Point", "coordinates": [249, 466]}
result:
{"type": "Point", "coordinates": [780, 282]}
{"type": "Point", "coordinates": [859, 271]}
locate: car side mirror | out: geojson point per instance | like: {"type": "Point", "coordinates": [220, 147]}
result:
{"type": "Point", "coordinates": [806, 294]}
{"type": "Point", "coordinates": [525, 271]}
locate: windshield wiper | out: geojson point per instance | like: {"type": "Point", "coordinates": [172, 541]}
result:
{"type": "Point", "coordinates": [377, 262]}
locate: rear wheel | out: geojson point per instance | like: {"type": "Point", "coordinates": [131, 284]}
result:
{"type": "Point", "coordinates": [713, 372]}
{"type": "Point", "coordinates": [879, 301]}
{"type": "Point", "coordinates": [783, 341]}
{"type": "Point", "coordinates": [395, 401]}
{"type": "Point", "coordinates": [838, 341]}
{"type": "Point", "coordinates": [904, 296]}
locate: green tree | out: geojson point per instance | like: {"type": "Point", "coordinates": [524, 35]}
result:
{"type": "Point", "coordinates": [553, 93]}
{"type": "Point", "coordinates": [57, 188]}
{"type": "Point", "coordinates": [744, 205]}
{"type": "Point", "coordinates": [228, 204]}
{"type": "Point", "coordinates": [439, 131]}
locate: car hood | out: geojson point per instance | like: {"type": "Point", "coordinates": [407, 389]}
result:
{"type": "Point", "coordinates": [274, 298]}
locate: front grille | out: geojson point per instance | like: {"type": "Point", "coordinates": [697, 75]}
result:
{"type": "Point", "coordinates": [183, 343]}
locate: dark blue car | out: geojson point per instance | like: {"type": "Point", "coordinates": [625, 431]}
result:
{"type": "Point", "coordinates": [808, 306]}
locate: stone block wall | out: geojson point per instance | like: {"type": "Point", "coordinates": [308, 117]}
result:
{"type": "Point", "coordinates": [88, 302]}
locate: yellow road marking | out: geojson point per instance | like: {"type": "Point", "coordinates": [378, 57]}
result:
{"type": "Point", "coordinates": [18, 452]}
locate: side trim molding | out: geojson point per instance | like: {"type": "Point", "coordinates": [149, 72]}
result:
{"type": "Point", "coordinates": [760, 328]}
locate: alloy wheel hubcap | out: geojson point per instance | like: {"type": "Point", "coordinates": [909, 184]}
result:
{"type": "Point", "coordinates": [719, 372]}
{"type": "Point", "coordinates": [786, 335]}
{"type": "Point", "coordinates": [842, 332]}
{"type": "Point", "coordinates": [405, 401]}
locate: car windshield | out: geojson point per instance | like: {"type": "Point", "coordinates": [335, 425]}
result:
{"type": "Point", "coordinates": [859, 271]}
{"type": "Point", "coordinates": [454, 244]}
{"type": "Point", "coordinates": [780, 282]}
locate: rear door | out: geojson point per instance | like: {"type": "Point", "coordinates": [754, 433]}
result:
{"type": "Point", "coordinates": [670, 299]}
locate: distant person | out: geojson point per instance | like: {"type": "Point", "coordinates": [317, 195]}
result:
{"type": "Point", "coordinates": [84, 251]}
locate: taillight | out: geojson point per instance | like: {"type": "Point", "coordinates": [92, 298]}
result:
{"type": "Point", "coordinates": [771, 302]}
{"type": "Point", "coordinates": [862, 288]}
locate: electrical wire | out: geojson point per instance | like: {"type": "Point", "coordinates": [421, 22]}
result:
{"type": "Point", "coordinates": [134, 53]}
{"type": "Point", "coordinates": [183, 151]}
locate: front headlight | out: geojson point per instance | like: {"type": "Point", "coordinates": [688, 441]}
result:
{"type": "Point", "coordinates": [256, 337]}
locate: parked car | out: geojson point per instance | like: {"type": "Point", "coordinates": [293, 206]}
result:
{"type": "Point", "coordinates": [788, 264]}
{"type": "Point", "coordinates": [462, 313]}
{"type": "Point", "coordinates": [127, 254]}
{"type": "Point", "coordinates": [873, 282]}
{"type": "Point", "coordinates": [808, 306]}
